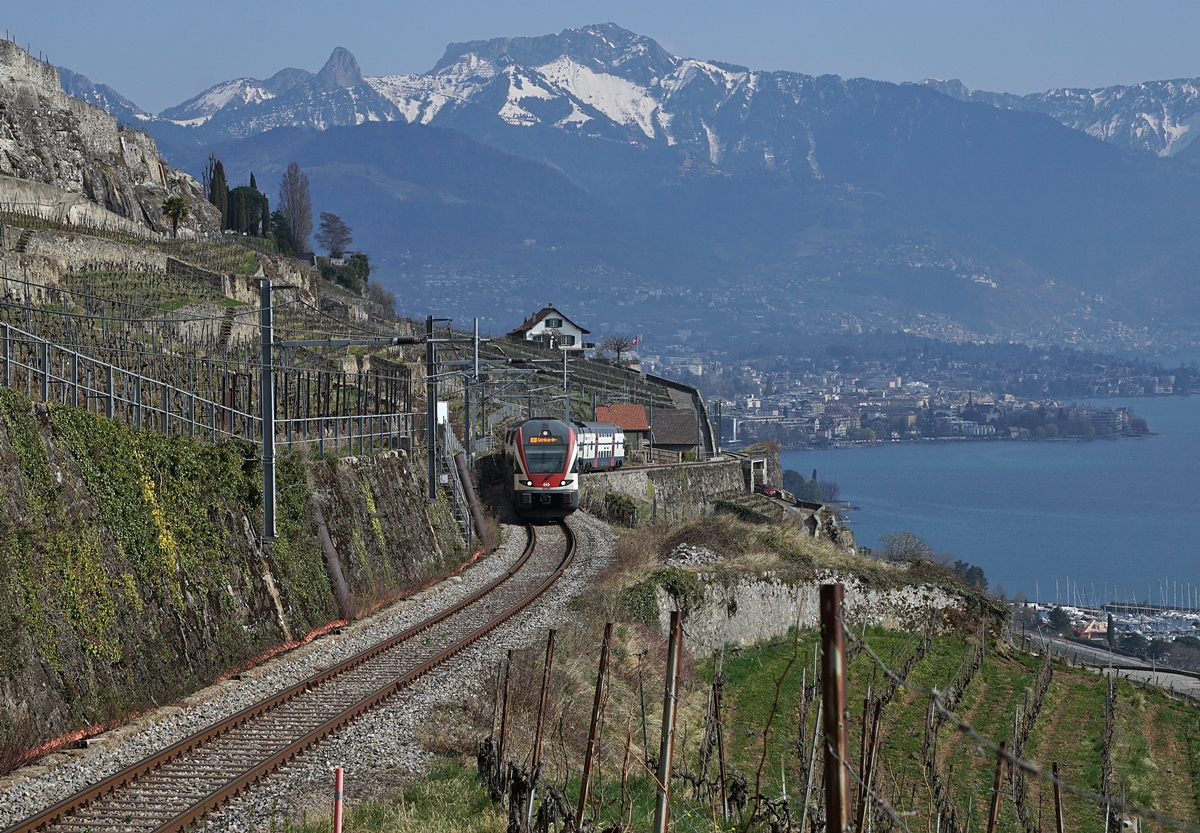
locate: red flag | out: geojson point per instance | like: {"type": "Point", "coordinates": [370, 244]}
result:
{"type": "Point", "coordinates": [635, 341]}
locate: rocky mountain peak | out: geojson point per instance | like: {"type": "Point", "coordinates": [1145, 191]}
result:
{"type": "Point", "coordinates": [602, 47]}
{"type": "Point", "coordinates": [340, 71]}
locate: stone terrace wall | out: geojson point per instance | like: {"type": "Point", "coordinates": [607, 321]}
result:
{"type": "Point", "coordinates": [131, 572]}
{"type": "Point", "coordinates": [672, 493]}
{"type": "Point", "coordinates": [752, 608]}
{"type": "Point", "coordinates": [49, 137]}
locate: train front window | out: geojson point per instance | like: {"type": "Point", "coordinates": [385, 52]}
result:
{"type": "Point", "coordinates": [546, 460]}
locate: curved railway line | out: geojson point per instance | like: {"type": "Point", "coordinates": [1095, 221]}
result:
{"type": "Point", "coordinates": [177, 786]}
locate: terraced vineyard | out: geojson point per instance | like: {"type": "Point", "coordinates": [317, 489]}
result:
{"type": "Point", "coordinates": [1155, 750]}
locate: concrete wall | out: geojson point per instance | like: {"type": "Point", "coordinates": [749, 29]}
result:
{"type": "Point", "coordinates": [757, 607]}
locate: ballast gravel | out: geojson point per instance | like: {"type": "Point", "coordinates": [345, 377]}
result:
{"type": "Point", "coordinates": [378, 748]}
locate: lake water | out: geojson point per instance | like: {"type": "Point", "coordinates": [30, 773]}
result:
{"type": "Point", "coordinates": [1121, 514]}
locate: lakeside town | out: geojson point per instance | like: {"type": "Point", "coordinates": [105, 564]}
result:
{"type": "Point", "coordinates": [942, 393]}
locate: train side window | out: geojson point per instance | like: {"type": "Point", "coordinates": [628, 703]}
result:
{"type": "Point", "coordinates": [575, 466]}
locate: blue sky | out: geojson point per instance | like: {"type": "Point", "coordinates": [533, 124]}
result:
{"type": "Point", "coordinates": [160, 54]}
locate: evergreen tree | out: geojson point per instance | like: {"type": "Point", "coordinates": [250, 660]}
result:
{"type": "Point", "coordinates": [282, 230]}
{"type": "Point", "coordinates": [239, 212]}
{"type": "Point", "coordinates": [253, 184]}
{"type": "Point", "coordinates": [218, 189]}
{"type": "Point", "coordinates": [176, 210]}
{"type": "Point", "coordinates": [266, 217]}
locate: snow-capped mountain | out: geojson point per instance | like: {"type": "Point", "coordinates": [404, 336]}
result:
{"type": "Point", "coordinates": [606, 82]}
{"type": "Point", "coordinates": [896, 198]}
{"type": "Point", "coordinates": [1162, 117]}
{"type": "Point", "coordinates": [336, 95]}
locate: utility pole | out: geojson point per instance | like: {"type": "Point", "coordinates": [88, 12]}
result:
{"type": "Point", "coordinates": [474, 381]}
{"type": "Point", "coordinates": [431, 406]}
{"type": "Point", "coordinates": [717, 438]}
{"type": "Point", "coordinates": [267, 400]}
{"type": "Point", "coordinates": [566, 389]}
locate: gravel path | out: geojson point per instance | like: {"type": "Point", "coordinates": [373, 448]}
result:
{"type": "Point", "coordinates": [376, 749]}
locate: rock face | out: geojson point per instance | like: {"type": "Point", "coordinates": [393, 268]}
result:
{"type": "Point", "coordinates": [48, 137]}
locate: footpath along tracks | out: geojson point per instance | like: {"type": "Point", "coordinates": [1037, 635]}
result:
{"type": "Point", "coordinates": [172, 789]}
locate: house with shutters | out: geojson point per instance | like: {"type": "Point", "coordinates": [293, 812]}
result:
{"type": "Point", "coordinates": [552, 329]}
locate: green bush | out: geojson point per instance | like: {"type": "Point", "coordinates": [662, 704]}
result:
{"type": "Point", "coordinates": [639, 603]}
{"type": "Point", "coordinates": [352, 274]}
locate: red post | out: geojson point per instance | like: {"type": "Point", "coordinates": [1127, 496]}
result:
{"type": "Point", "coordinates": [337, 800]}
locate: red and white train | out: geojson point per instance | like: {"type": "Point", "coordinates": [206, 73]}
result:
{"type": "Point", "coordinates": [601, 446]}
{"type": "Point", "coordinates": [542, 455]}
{"type": "Point", "coordinates": [545, 457]}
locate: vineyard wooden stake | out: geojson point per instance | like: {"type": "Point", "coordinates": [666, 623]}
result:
{"type": "Point", "coordinates": [537, 742]}
{"type": "Point", "coordinates": [504, 721]}
{"type": "Point", "coordinates": [994, 813]}
{"type": "Point", "coordinates": [833, 683]}
{"type": "Point", "coordinates": [586, 784]}
{"type": "Point", "coordinates": [812, 765]}
{"type": "Point", "coordinates": [667, 747]}
{"type": "Point", "coordinates": [868, 768]}
{"type": "Point", "coordinates": [1058, 808]}
{"type": "Point", "coordinates": [625, 764]}
{"type": "Point", "coordinates": [862, 746]}
{"type": "Point", "coordinates": [718, 688]}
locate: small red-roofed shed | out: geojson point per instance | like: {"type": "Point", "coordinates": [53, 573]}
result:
{"type": "Point", "coordinates": [631, 419]}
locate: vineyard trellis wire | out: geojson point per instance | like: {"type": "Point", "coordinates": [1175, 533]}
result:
{"type": "Point", "coordinates": [1109, 803]}
{"type": "Point", "coordinates": [320, 408]}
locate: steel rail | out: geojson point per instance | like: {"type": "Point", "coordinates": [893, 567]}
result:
{"type": "Point", "coordinates": [63, 810]}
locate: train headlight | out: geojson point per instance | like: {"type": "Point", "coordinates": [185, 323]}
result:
{"type": "Point", "coordinates": [526, 482]}
{"type": "Point", "coordinates": [567, 482]}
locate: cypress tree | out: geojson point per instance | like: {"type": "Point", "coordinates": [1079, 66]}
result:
{"type": "Point", "coordinates": [218, 192]}
{"type": "Point", "coordinates": [266, 217]}
{"type": "Point", "coordinates": [239, 213]}
{"type": "Point", "coordinates": [253, 184]}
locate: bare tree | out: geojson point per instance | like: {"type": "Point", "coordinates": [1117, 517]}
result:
{"type": "Point", "coordinates": [618, 345]}
{"type": "Point", "coordinates": [377, 293]}
{"type": "Point", "coordinates": [905, 546]}
{"type": "Point", "coordinates": [334, 235]}
{"type": "Point", "coordinates": [296, 205]}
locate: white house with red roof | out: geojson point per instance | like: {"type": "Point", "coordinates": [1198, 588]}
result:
{"type": "Point", "coordinates": [551, 328]}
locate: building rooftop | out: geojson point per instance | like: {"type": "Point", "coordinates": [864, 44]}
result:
{"type": "Point", "coordinates": [675, 427]}
{"type": "Point", "coordinates": [626, 417]}
{"type": "Point", "coordinates": [538, 316]}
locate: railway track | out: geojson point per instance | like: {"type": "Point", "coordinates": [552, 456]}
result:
{"type": "Point", "coordinates": [171, 790]}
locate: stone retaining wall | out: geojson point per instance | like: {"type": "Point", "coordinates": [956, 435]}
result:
{"type": "Point", "coordinates": [671, 493]}
{"type": "Point", "coordinates": [758, 607]}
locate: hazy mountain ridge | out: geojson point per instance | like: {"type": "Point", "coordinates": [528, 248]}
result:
{"type": "Point", "coordinates": [1162, 117]}
{"type": "Point", "coordinates": [101, 95]}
